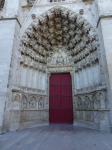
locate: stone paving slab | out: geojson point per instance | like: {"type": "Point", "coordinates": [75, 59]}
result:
{"type": "Point", "coordinates": [56, 137]}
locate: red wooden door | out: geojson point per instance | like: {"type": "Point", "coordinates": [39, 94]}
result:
{"type": "Point", "coordinates": [60, 101]}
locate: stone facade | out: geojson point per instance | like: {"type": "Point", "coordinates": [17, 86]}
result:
{"type": "Point", "coordinates": [41, 37]}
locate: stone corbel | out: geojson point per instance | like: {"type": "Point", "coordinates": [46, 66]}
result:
{"type": "Point", "coordinates": [48, 74]}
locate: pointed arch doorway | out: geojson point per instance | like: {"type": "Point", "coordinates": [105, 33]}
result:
{"type": "Point", "coordinates": [60, 99]}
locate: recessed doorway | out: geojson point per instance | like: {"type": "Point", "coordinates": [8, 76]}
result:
{"type": "Point", "coordinates": [60, 99]}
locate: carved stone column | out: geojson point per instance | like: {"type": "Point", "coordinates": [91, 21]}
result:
{"type": "Point", "coordinates": [27, 76]}
{"type": "Point", "coordinates": [37, 81]}
{"type": "Point", "coordinates": [47, 98]}
{"type": "Point", "coordinates": [102, 78]}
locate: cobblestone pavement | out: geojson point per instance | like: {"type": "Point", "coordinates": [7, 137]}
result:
{"type": "Point", "coordinates": [56, 137]}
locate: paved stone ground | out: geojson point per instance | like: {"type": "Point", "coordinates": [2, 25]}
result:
{"type": "Point", "coordinates": [56, 137]}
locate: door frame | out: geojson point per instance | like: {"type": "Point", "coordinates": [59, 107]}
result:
{"type": "Point", "coordinates": [71, 95]}
{"type": "Point", "coordinates": [70, 70]}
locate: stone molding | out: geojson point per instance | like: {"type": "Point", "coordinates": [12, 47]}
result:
{"type": "Point", "coordinates": [12, 19]}
{"type": "Point", "coordinates": [101, 17]}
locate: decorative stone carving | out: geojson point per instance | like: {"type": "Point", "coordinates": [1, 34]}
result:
{"type": "Point", "coordinates": [79, 103]}
{"type": "Point", "coordinates": [61, 41]}
{"type": "Point", "coordinates": [33, 16]}
{"type": "Point", "coordinates": [2, 4]}
{"type": "Point", "coordinates": [24, 102]}
{"type": "Point", "coordinates": [41, 104]}
{"type": "Point", "coordinates": [81, 11]}
{"type": "Point", "coordinates": [94, 110]}
{"type": "Point", "coordinates": [60, 58]}
{"type": "Point", "coordinates": [52, 29]}
{"type": "Point", "coordinates": [32, 103]}
{"type": "Point", "coordinates": [86, 103]}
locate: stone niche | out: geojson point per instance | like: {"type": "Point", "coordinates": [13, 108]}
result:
{"type": "Point", "coordinates": [92, 110]}
{"type": "Point", "coordinates": [27, 111]}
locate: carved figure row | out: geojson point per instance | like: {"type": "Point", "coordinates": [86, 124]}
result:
{"type": "Point", "coordinates": [31, 55]}
{"type": "Point", "coordinates": [27, 61]}
{"type": "Point", "coordinates": [24, 103]}
{"type": "Point", "coordinates": [92, 101]}
{"type": "Point", "coordinates": [86, 58]}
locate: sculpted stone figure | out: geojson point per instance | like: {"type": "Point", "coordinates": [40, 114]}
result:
{"type": "Point", "coordinates": [24, 102]}
{"type": "Point", "coordinates": [32, 103]}
{"type": "Point", "coordinates": [79, 103]}
{"type": "Point", "coordinates": [86, 103]}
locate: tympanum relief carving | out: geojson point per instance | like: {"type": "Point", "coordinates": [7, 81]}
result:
{"type": "Point", "coordinates": [60, 59]}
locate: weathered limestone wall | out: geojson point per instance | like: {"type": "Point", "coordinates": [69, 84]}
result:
{"type": "Point", "coordinates": [106, 44]}
{"type": "Point", "coordinates": [104, 21]}
{"type": "Point", "coordinates": [9, 38]}
{"type": "Point", "coordinates": [6, 44]}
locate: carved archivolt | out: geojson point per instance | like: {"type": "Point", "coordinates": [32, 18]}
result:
{"type": "Point", "coordinates": [59, 27]}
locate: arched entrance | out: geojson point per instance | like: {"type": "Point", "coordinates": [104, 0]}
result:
{"type": "Point", "coordinates": [61, 41]}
